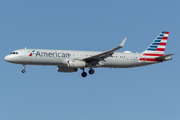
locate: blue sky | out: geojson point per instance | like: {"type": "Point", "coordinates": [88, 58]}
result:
{"type": "Point", "coordinates": [144, 93]}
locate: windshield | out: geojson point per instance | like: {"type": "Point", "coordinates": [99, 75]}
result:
{"type": "Point", "coordinates": [14, 53]}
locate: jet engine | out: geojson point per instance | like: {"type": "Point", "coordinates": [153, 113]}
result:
{"type": "Point", "coordinates": [66, 69]}
{"type": "Point", "coordinates": [76, 64]}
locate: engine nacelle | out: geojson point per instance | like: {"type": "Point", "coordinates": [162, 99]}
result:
{"type": "Point", "coordinates": [66, 69]}
{"type": "Point", "coordinates": [76, 64]}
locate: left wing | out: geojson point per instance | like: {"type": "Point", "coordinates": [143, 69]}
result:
{"type": "Point", "coordinates": [102, 56]}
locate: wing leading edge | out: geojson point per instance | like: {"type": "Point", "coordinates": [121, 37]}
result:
{"type": "Point", "coordinates": [102, 56]}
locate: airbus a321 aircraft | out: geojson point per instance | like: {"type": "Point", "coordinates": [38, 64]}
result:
{"type": "Point", "coordinates": [69, 61]}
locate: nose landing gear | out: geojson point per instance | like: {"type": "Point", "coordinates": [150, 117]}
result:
{"type": "Point", "coordinates": [23, 71]}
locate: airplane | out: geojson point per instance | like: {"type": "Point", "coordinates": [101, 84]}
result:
{"type": "Point", "coordinates": [69, 61]}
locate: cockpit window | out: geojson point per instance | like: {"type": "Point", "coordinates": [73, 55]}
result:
{"type": "Point", "coordinates": [14, 53]}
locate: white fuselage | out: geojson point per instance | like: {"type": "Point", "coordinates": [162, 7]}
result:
{"type": "Point", "coordinates": [60, 58]}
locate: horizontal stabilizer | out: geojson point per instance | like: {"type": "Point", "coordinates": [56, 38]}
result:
{"type": "Point", "coordinates": [164, 56]}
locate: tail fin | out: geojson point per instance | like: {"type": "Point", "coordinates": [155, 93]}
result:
{"type": "Point", "coordinates": [158, 46]}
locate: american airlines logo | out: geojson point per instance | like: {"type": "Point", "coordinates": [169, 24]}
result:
{"type": "Point", "coordinates": [50, 54]}
{"type": "Point", "coordinates": [31, 53]}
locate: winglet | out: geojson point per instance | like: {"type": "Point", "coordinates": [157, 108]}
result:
{"type": "Point", "coordinates": [123, 42]}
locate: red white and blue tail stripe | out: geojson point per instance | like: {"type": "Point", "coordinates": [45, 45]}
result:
{"type": "Point", "coordinates": [157, 48]}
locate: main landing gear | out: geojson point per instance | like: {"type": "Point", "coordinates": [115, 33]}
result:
{"type": "Point", "coordinates": [84, 74]}
{"type": "Point", "coordinates": [23, 71]}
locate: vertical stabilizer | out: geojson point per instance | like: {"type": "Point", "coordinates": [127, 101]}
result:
{"type": "Point", "coordinates": [156, 48]}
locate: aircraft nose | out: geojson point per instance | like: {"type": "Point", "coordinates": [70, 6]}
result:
{"type": "Point", "coordinates": [6, 58]}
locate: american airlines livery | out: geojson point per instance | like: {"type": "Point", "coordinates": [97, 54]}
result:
{"type": "Point", "coordinates": [69, 61]}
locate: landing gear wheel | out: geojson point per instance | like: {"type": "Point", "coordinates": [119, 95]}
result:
{"type": "Point", "coordinates": [84, 74]}
{"type": "Point", "coordinates": [23, 71]}
{"type": "Point", "coordinates": [24, 66]}
{"type": "Point", "coordinates": [91, 71]}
